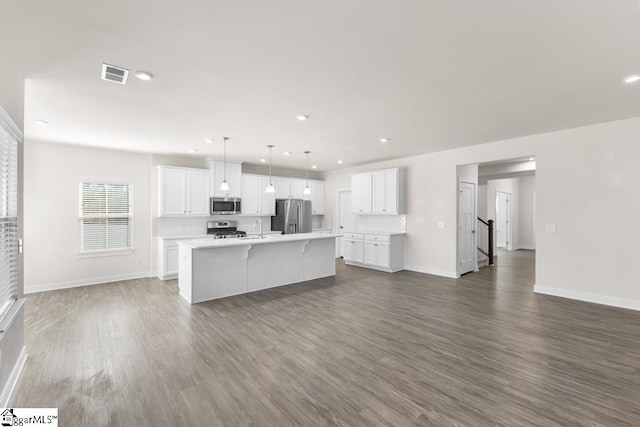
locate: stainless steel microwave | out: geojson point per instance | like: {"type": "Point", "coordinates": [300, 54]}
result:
{"type": "Point", "coordinates": [224, 206]}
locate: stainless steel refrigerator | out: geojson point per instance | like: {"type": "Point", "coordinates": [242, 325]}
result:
{"type": "Point", "coordinates": [292, 216]}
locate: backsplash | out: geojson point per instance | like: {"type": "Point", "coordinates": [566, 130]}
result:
{"type": "Point", "coordinates": [390, 223]}
{"type": "Point", "coordinates": [166, 227]}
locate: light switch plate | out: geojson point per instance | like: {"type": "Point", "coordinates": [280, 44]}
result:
{"type": "Point", "coordinates": [440, 224]}
{"type": "Point", "coordinates": [550, 228]}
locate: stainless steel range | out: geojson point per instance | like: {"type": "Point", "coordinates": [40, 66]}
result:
{"type": "Point", "coordinates": [224, 229]}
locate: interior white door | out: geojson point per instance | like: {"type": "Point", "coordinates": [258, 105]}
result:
{"type": "Point", "coordinates": [466, 227]}
{"type": "Point", "coordinates": [503, 219]}
{"type": "Point", "coordinates": [346, 219]}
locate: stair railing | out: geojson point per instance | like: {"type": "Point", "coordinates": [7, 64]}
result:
{"type": "Point", "coordinates": [489, 251]}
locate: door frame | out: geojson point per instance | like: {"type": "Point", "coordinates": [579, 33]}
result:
{"type": "Point", "coordinates": [509, 219]}
{"type": "Point", "coordinates": [338, 229]}
{"type": "Point", "coordinates": [475, 219]}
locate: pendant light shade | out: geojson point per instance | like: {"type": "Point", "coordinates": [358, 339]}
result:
{"type": "Point", "coordinates": [225, 185]}
{"type": "Point", "coordinates": [307, 190]}
{"type": "Point", "coordinates": [270, 187]}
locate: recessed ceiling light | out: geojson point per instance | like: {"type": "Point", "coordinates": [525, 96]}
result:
{"type": "Point", "coordinates": [314, 167]}
{"type": "Point", "coordinates": [632, 78]}
{"type": "Point", "coordinates": [263, 160]}
{"type": "Point", "coordinates": [384, 140]}
{"type": "Point", "coordinates": [339, 162]}
{"type": "Point", "coordinates": [193, 150]}
{"type": "Point", "coordinates": [144, 75]}
{"type": "Point", "coordinates": [302, 117]}
{"type": "Point", "coordinates": [209, 140]}
{"type": "Point", "coordinates": [41, 122]}
{"type": "Point", "coordinates": [287, 153]}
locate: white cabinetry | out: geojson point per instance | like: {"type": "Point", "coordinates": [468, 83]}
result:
{"type": "Point", "coordinates": [289, 188]}
{"type": "Point", "coordinates": [255, 199]}
{"type": "Point", "coordinates": [183, 191]}
{"type": "Point", "coordinates": [233, 173]}
{"type": "Point", "coordinates": [167, 257]}
{"type": "Point", "coordinates": [316, 196]}
{"type": "Point", "coordinates": [198, 193]}
{"type": "Point", "coordinates": [377, 251]}
{"type": "Point", "coordinates": [361, 193]}
{"type": "Point", "coordinates": [379, 192]}
{"type": "Point", "coordinates": [353, 248]}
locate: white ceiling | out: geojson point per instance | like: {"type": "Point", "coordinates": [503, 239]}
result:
{"type": "Point", "coordinates": [430, 75]}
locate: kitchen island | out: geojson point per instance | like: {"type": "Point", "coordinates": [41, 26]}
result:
{"type": "Point", "coordinates": [217, 268]}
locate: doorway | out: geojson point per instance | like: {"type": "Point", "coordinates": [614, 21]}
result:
{"type": "Point", "coordinates": [346, 219]}
{"type": "Point", "coordinates": [503, 220]}
{"type": "Point", "coordinates": [466, 227]}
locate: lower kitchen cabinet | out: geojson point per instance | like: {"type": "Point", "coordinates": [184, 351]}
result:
{"type": "Point", "coordinates": [167, 257]}
{"type": "Point", "coordinates": [378, 251]}
{"type": "Point", "coordinates": [353, 250]}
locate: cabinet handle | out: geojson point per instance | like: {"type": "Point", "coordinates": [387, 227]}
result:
{"type": "Point", "coordinates": [384, 210]}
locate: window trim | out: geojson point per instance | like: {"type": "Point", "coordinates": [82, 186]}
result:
{"type": "Point", "coordinates": [15, 300]}
{"type": "Point", "coordinates": [95, 253]}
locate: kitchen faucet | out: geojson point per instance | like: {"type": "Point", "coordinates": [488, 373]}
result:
{"type": "Point", "coordinates": [259, 223]}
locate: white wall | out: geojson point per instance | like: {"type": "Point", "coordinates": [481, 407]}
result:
{"type": "Point", "coordinates": [51, 238]}
{"type": "Point", "coordinates": [583, 176]}
{"type": "Point", "coordinates": [527, 190]}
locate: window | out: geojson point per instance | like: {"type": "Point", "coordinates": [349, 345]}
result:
{"type": "Point", "coordinates": [9, 140]}
{"type": "Point", "coordinates": [106, 217]}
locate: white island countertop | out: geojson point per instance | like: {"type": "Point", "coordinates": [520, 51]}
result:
{"type": "Point", "coordinates": [267, 239]}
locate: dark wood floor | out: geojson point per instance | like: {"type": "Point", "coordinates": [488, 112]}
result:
{"type": "Point", "coordinates": [363, 348]}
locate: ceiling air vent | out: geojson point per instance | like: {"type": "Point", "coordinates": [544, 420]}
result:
{"type": "Point", "coordinates": [114, 74]}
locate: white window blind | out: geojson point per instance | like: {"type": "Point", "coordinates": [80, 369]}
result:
{"type": "Point", "coordinates": [106, 216]}
{"type": "Point", "coordinates": [8, 218]}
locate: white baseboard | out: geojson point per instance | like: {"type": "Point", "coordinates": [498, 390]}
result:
{"type": "Point", "coordinates": [527, 247]}
{"type": "Point", "coordinates": [7, 392]}
{"type": "Point", "coordinates": [433, 271]}
{"type": "Point", "coordinates": [588, 297]}
{"type": "Point", "coordinates": [84, 282]}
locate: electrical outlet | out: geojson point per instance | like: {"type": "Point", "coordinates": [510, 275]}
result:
{"type": "Point", "coordinates": [550, 228]}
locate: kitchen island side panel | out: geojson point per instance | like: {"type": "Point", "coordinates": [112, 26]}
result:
{"type": "Point", "coordinates": [219, 273]}
{"type": "Point", "coordinates": [319, 259]}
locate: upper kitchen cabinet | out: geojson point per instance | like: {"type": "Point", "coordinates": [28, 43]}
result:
{"type": "Point", "coordinates": [316, 196]}
{"type": "Point", "coordinates": [234, 178]}
{"type": "Point", "coordinates": [183, 191]}
{"type": "Point", "coordinates": [289, 188]}
{"type": "Point", "coordinates": [361, 193]}
{"type": "Point", "coordinates": [388, 191]}
{"type": "Point", "coordinates": [255, 199]}
{"type": "Point", "coordinates": [379, 192]}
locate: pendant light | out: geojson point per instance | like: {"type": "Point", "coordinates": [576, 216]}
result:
{"type": "Point", "coordinates": [225, 185]}
{"type": "Point", "coordinates": [307, 190]}
{"type": "Point", "coordinates": [270, 187]}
